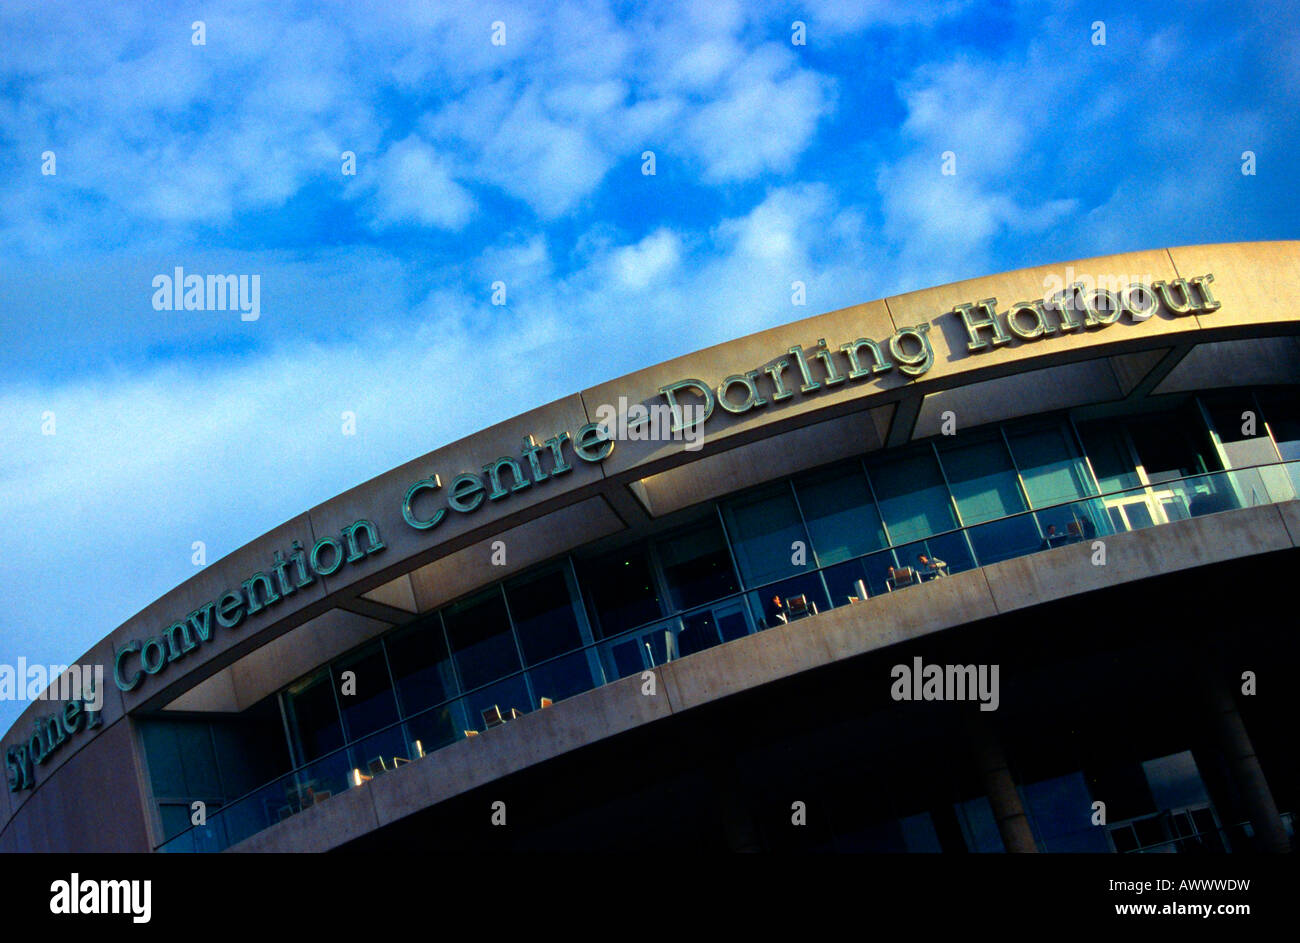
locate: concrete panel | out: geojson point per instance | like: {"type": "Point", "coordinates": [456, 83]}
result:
{"type": "Point", "coordinates": [21, 731]}
{"type": "Point", "coordinates": [465, 765]}
{"type": "Point", "coordinates": [896, 617]}
{"type": "Point", "coordinates": [570, 724]}
{"type": "Point", "coordinates": [1255, 361]}
{"type": "Point", "coordinates": [1132, 369]}
{"type": "Point", "coordinates": [1255, 281]}
{"type": "Point", "coordinates": [215, 694]}
{"type": "Point", "coordinates": [724, 472]}
{"type": "Point", "coordinates": [399, 594]}
{"type": "Point", "coordinates": [1075, 384]}
{"type": "Point", "coordinates": [745, 663]}
{"type": "Point", "coordinates": [1291, 518]}
{"type": "Point", "coordinates": [468, 569]}
{"type": "Point", "coordinates": [934, 306]}
{"type": "Point", "coordinates": [93, 804]}
{"type": "Point", "coordinates": [1068, 571]}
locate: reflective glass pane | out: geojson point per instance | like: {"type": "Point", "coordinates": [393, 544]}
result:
{"type": "Point", "coordinates": [564, 677]}
{"type": "Point", "coordinates": [481, 641]}
{"type": "Point", "coordinates": [367, 699]}
{"type": "Point", "coordinates": [1050, 465]}
{"type": "Point", "coordinates": [697, 566]}
{"type": "Point", "coordinates": [1173, 444]}
{"type": "Point", "coordinates": [842, 517]}
{"type": "Point", "coordinates": [1175, 782]}
{"type": "Point", "coordinates": [545, 614]}
{"type": "Point", "coordinates": [420, 665]}
{"type": "Point", "coordinates": [913, 499]}
{"type": "Point", "coordinates": [763, 527]}
{"type": "Point", "coordinates": [982, 478]}
{"type": "Point", "coordinates": [847, 580]}
{"type": "Point", "coordinates": [434, 728]}
{"type": "Point", "coordinates": [1002, 540]}
{"type": "Point", "coordinates": [620, 590]}
{"type": "Point", "coordinates": [314, 716]}
{"type": "Point", "coordinates": [1109, 454]}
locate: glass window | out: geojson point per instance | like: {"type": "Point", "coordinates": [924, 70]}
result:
{"type": "Point", "coordinates": [913, 499]}
{"type": "Point", "coordinates": [763, 527]}
{"type": "Point", "coordinates": [843, 581]}
{"type": "Point", "coordinates": [1003, 540]}
{"type": "Point", "coordinates": [481, 641]}
{"type": "Point", "coordinates": [842, 518]}
{"type": "Point", "coordinates": [367, 701]}
{"type": "Point", "coordinates": [314, 716]}
{"type": "Point", "coordinates": [1108, 452]}
{"type": "Point", "coordinates": [1061, 811]}
{"type": "Point", "coordinates": [982, 478]}
{"type": "Point", "coordinates": [565, 677]}
{"type": "Point", "coordinates": [697, 566]}
{"type": "Point", "coordinates": [1283, 417]}
{"type": "Point", "coordinates": [1175, 781]}
{"type": "Point", "coordinates": [421, 666]}
{"type": "Point", "coordinates": [1174, 444]}
{"type": "Point", "coordinates": [1050, 465]}
{"type": "Point", "coordinates": [545, 614]}
{"type": "Point", "coordinates": [978, 826]}
{"type": "Point", "coordinates": [620, 589]}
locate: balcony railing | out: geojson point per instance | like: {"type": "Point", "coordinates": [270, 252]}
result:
{"type": "Point", "coordinates": [419, 735]}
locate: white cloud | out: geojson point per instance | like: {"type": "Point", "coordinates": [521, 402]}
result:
{"type": "Point", "coordinates": [412, 184]}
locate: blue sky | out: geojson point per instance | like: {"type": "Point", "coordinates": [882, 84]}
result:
{"type": "Point", "coordinates": [522, 163]}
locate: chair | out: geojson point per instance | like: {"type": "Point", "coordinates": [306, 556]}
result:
{"type": "Point", "coordinates": [359, 777]}
{"type": "Point", "coordinates": [376, 766]}
{"type": "Point", "coordinates": [1075, 530]}
{"type": "Point", "coordinates": [798, 606]}
{"type": "Point", "coordinates": [471, 733]}
{"type": "Point", "coordinates": [492, 717]}
{"type": "Point", "coordinates": [515, 714]}
{"type": "Point", "coordinates": [400, 761]}
{"type": "Point", "coordinates": [899, 577]}
{"type": "Point", "coordinates": [546, 702]}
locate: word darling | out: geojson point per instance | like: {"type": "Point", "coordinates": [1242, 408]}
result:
{"type": "Point", "coordinates": [739, 393]}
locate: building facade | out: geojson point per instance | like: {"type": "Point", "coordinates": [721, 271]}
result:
{"type": "Point", "coordinates": [994, 566]}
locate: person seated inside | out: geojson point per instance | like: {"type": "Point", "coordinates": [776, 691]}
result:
{"type": "Point", "coordinates": [930, 567]}
{"type": "Point", "coordinates": [1050, 538]}
{"type": "Point", "coordinates": [780, 613]}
